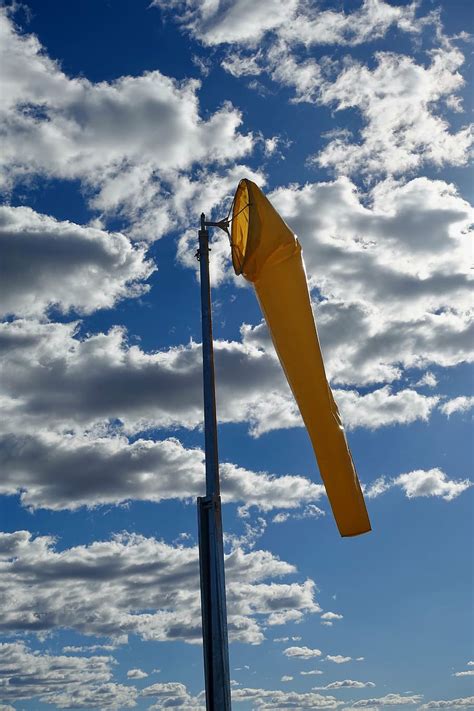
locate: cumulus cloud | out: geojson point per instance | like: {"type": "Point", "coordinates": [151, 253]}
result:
{"type": "Point", "coordinates": [173, 695]}
{"type": "Point", "coordinates": [54, 379]}
{"type": "Point", "coordinates": [46, 262]}
{"type": "Point", "coordinates": [65, 391]}
{"type": "Point", "coordinates": [462, 703]}
{"type": "Point", "coordinates": [302, 652]}
{"type": "Point", "coordinates": [110, 470]}
{"type": "Point", "coordinates": [313, 26]}
{"type": "Point", "coordinates": [383, 407]}
{"type": "Point", "coordinates": [390, 278]}
{"type": "Point", "coordinates": [309, 511]}
{"type": "Point", "coordinates": [389, 700]}
{"type": "Point", "coordinates": [328, 618]}
{"type": "Point", "coordinates": [66, 682]}
{"type": "Point", "coordinates": [397, 99]}
{"type": "Point", "coordinates": [338, 658]}
{"type": "Point", "coordinates": [136, 674]}
{"type": "Point", "coordinates": [461, 404]}
{"type": "Point", "coordinates": [125, 140]}
{"type": "Point", "coordinates": [221, 22]}
{"type": "Point", "coordinates": [295, 21]}
{"type": "Point", "coordinates": [428, 380]}
{"type": "Point", "coordinates": [346, 684]}
{"type": "Point", "coordinates": [276, 699]}
{"type": "Point", "coordinates": [432, 482]}
{"type": "Point", "coordinates": [469, 672]}
{"type": "Point", "coordinates": [133, 584]}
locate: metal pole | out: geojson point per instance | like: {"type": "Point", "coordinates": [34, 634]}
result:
{"type": "Point", "coordinates": [211, 546]}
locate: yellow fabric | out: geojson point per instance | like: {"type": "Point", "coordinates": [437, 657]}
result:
{"type": "Point", "coordinates": [267, 253]}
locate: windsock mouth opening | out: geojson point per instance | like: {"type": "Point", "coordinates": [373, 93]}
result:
{"type": "Point", "coordinates": [240, 226]}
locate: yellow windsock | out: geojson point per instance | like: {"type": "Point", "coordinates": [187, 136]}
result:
{"type": "Point", "coordinates": [267, 253]}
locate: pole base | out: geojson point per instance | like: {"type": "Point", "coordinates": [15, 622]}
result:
{"type": "Point", "coordinates": [213, 605]}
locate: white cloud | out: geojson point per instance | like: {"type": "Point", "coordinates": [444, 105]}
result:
{"type": "Point", "coordinates": [371, 21]}
{"type": "Point", "coordinates": [276, 699]}
{"type": "Point", "coordinates": [66, 682]}
{"type": "Point", "coordinates": [47, 263]}
{"type": "Point", "coordinates": [311, 672]}
{"type": "Point", "coordinates": [89, 648]}
{"type": "Point", "coordinates": [397, 100]}
{"type": "Point", "coordinates": [136, 674]}
{"type": "Point", "coordinates": [338, 658]}
{"type": "Point", "coordinates": [245, 23]}
{"type": "Point", "coordinates": [346, 684]}
{"type": "Point", "coordinates": [301, 652]}
{"type": "Point", "coordinates": [286, 677]}
{"type": "Point", "coordinates": [462, 703]}
{"type": "Point", "coordinates": [457, 404]}
{"type": "Point", "coordinates": [329, 617]}
{"type": "Point", "coordinates": [383, 407]}
{"type": "Point", "coordinates": [392, 275]}
{"type": "Point", "coordinates": [132, 584]}
{"type": "Point", "coordinates": [53, 379]}
{"type": "Point", "coordinates": [173, 695]}
{"type": "Point", "coordinates": [309, 511]}
{"type": "Point", "coordinates": [389, 700]}
{"type": "Point", "coordinates": [428, 380]}
{"type": "Point", "coordinates": [110, 470]}
{"type": "Point", "coordinates": [432, 482]}
{"type": "Point", "coordinates": [221, 22]}
{"type": "Point", "coordinates": [126, 140]}
{"type": "Point", "coordinates": [470, 672]}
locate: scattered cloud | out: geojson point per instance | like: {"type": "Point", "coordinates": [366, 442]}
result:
{"type": "Point", "coordinates": [128, 141]}
{"type": "Point", "coordinates": [136, 674]}
{"type": "Point", "coordinates": [469, 672]}
{"type": "Point", "coordinates": [432, 482]}
{"type": "Point", "coordinates": [346, 684]}
{"type": "Point", "coordinates": [54, 379]}
{"type": "Point", "coordinates": [428, 380]}
{"type": "Point", "coordinates": [65, 681]}
{"type": "Point", "coordinates": [133, 584]}
{"type": "Point", "coordinates": [302, 652]}
{"type": "Point", "coordinates": [295, 22]}
{"type": "Point", "coordinates": [457, 404]}
{"type": "Point", "coordinates": [309, 511]}
{"type": "Point", "coordinates": [338, 658]}
{"type": "Point", "coordinates": [46, 262]}
{"type": "Point", "coordinates": [239, 22]}
{"type": "Point", "coordinates": [397, 100]}
{"type": "Point", "coordinates": [389, 700]}
{"type": "Point", "coordinates": [173, 694]}
{"type": "Point", "coordinates": [111, 470]}
{"type": "Point", "coordinates": [269, 699]}
{"type": "Point", "coordinates": [390, 275]}
{"type": "Point", "coordinates": [462, 703]}
{"type": "Point", "coordinates": [328, 618]}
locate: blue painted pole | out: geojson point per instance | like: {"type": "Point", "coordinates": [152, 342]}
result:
{"type": "Point", "coordinates": [211, 545]}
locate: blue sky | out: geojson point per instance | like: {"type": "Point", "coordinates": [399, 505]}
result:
{"type": "Point", "coordinates": [121, 122]}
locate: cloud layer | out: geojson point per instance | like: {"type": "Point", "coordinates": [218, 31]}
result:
{"type": "Point", "coordinates": [133, 584]}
